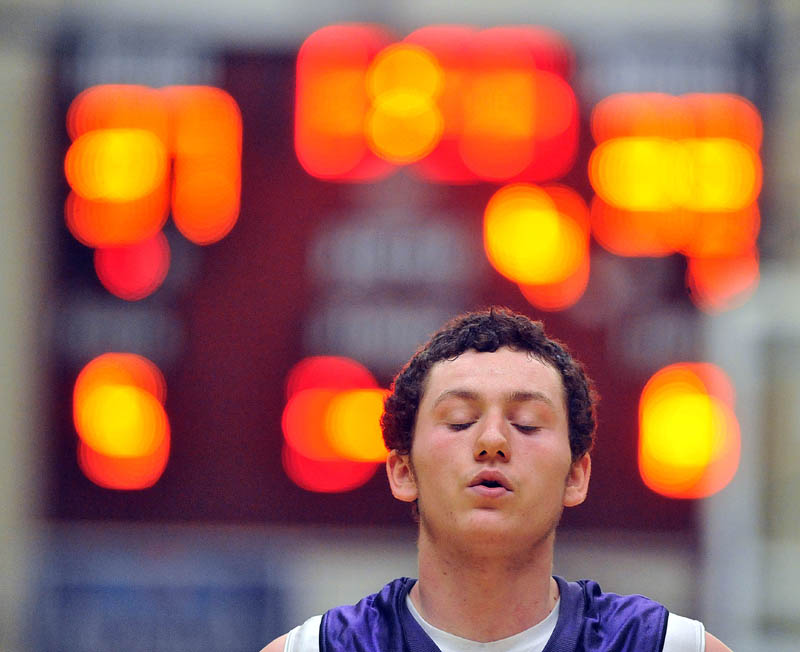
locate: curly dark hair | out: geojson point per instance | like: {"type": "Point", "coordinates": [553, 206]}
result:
{"type": "Point", "coordinates": [487, 331]}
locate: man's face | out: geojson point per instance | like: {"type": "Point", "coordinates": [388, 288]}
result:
{"type": "Point", "coordinates": [491, 460]}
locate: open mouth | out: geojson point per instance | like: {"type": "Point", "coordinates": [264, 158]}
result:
{"type": "Point", "coordinates": [490, 483]}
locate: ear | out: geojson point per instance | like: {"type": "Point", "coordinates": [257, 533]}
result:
{"type": "Point", "coordinates": [578, 481]}
{"type": "Point", "coordinates": [401, 477]}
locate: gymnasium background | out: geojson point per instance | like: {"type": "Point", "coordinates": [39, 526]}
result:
{"type": "Point", "coordinates": [225, 227]}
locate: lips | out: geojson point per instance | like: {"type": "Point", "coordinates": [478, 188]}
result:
{"type": "Point", "coordinates": [491, 481]}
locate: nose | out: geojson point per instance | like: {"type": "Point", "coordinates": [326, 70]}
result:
{"type": "Point", "coordinates": [491, 442]}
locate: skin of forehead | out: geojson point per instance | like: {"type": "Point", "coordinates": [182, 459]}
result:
{"type": "Point", "coordinates": [530, 357]}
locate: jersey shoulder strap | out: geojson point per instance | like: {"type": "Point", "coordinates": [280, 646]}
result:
{"type": "Point", "coordinates": [590, 620]}
{"type": "Point", "coordinates": [377, 623]}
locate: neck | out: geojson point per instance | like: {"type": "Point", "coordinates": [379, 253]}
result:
{"type": "Point", "coordinates": [484, 596]}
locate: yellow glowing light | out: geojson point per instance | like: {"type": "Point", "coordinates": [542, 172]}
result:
{"type": "Point", "coordinates": [404, 123]}
{"type": "Point", "coordinates": [629, 173]}
{"type": "Point", "coordinates": [116, 164]}
{"type": "Point", "coordinates": [403, 127]}
{"type": "Point", "coordinates": [656, 174]}
{"type": "Point", "coordinates": [121, 421]}
{"type": "Point", "coordinates": [682, 429]}
{"type": "Point", "coordinates": [352, 425]}
{"type": "Point", "coordinates": [723, 174]}
{"type": "Point", "coordinates": [688, 433]}
{"type": "Point", "coordinates": [405, 67]}
{"type": "Point", "coordinates": [528, 240]}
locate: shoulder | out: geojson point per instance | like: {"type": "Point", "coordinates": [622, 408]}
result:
{"type": "Point", "coordinates": [713, 644]}
{"type": "Point", "coordinates": [278, 645]}
{"type": "Point", "coordinates": [347, 623]}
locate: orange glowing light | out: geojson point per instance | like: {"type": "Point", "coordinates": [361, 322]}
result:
{"type": "Point", "coordinates": [723, 115]}
{"type": "Point", "coordinates": [722, 282]}
{"type": "Point", "coordinates": [120, 369]}
{"type": "Point", "coordinates": [205, 201]}
{"type": "Point", "coordinates": [135, 271]}
{"type": "Point", "coordinates": [124, 140]}
{"type": "Point", "coordinates": [681, 175]}
{"type": "Point", "coordinates": [116, 165]}
{"type": "Point", "coordinates": [689, 440]}
{"type": "Point", "coordinates": [112, 224]}
{"type": "Point", "coordinates": [528, 240]}
{"type": "Point", "coordinates": [519, 117]}
{"type": "Point", "coordinates": [561, 295]}
{"type": "Point", "coordinates": [303, 424]}
{"type": "Point", "coordinates": [451, 45]}
{"type": "Point", "coordinates": [325, 476]}
{"type": "Point", "coordinates": [642, 115]}
{"type": "Point", "coordinates": [112, 106]}
{"type": "Point", "coordinates": [352, 424]}
{"type": "Point", "coordinates": [332, 103]}
{"type": "Point", "coordinates": [123, 473]}
{"type": "Point", "coordinates": [641, 233]}
{"type": "Point", "coordinates": [206, 142]}
{"type": "Point", "coordinates": [722, 234]}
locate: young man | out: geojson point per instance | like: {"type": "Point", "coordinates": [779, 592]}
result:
{"type": "Point", "coordinates": [489, 427]}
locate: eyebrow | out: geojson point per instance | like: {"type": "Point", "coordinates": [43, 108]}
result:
{"type": "Point", "coordinates": [515, 397]}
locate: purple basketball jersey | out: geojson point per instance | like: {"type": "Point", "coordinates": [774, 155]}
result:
{"type": "Point", "coordinates": [588, 621]}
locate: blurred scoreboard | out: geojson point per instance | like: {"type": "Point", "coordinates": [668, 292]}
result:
{"type": "Point", "coordinates": [250, 244]}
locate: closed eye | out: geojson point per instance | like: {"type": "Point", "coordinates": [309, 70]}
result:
{"type": "Point", "coordinates": [526, 429]}
{"type": "Point", "coordinates": [459, 426]}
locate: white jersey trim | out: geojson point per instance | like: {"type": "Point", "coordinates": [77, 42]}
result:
{"type": "Point", "coordinates": [305, 637]}
{"type": "Point", "coordinates": [684, 635]}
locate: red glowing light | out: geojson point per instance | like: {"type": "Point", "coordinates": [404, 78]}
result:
{"type": "Point", "coordinates": [135, 271]}
{"type": "Point", "coordinates": [332, 103]}
{"type": "Point", "coordinates": [328, 372]}
{"type": "Point", "coordinates": [123, 473]}
{"type": "Point", "coordinates": [461, 104]}
{"type": "Point", "coordinates": [331, 424]}
{"type": "Point", "coordinates": [325, 476]}
{"type": "Point", "coordinates": [722, 282]}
